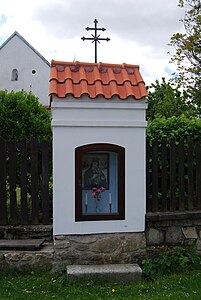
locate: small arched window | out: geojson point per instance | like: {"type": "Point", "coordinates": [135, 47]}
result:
{"type": "Point", "coordinates": [99, 182]}
{"type": "Point", "coordinates": [14, 75]}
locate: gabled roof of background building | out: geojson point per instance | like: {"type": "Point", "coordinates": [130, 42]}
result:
{"type": "Point", "coordinates": [94, 79]}
{"type": "Point", "coordinates": [24, 41]}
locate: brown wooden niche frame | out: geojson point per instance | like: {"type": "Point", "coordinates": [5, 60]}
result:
{"type": "Point", "coordinates": [79, 151]}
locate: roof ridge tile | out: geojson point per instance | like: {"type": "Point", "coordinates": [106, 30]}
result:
{"type": "Point", "coordinates": [88, 68]}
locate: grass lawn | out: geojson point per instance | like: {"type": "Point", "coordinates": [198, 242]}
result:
{"type": "Point", "coordinates": [45, 286]}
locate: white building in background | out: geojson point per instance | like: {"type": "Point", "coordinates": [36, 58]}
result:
{"type": "Point", "coordinates": [23, 67]}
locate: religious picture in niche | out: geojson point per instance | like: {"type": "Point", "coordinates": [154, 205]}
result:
{"type": "Point", "coordinates": [95, 171]}
{"type": "Point", "coordinates": [99, 182]}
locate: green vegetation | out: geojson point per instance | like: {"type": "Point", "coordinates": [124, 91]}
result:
{"type": "Point", "coordinates": [170, 261]}
{"type": "Point", "coordinates": [22, 116]}
{"type": "Point", "coordinates": [46, 286]}
{"type": "Point", "coordinates": [174, 128]}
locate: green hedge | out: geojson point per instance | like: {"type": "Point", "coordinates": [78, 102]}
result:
{"type": "Point", "coordinates": [22, 116]}
{"type": "Point", "coordinates": [174, 128]}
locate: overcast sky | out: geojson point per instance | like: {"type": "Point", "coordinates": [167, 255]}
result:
{"type": "Point", "coordinates": [139, 30]}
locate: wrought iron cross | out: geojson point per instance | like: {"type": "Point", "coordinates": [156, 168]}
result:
{"type": "Point", "coordinates": [95, 38]}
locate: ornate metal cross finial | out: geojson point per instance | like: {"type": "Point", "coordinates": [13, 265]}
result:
{"type": "Point", "coordinates": [95, 38]}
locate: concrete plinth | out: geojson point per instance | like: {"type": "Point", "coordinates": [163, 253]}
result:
{"type": "Point", "coordinates": [124, 273]}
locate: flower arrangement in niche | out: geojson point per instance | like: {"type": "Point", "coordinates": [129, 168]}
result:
{"type": "Point", "coordinates": [96, 192]}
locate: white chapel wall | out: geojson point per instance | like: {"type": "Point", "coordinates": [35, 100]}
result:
{"type": "Point", "coordinates": [77, 123]}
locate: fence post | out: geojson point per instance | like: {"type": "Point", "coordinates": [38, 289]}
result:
{"type": "Point", "coordinates": [3, 204]}
{"type": "Point", "coordinates": [23, 181]}
{"type": "Point", "coordinates": [148, 199]}
{"type": "Point", "coordinates": [172, 176]}
{"type": "Point", "coordinates": [45, 182]}
{"type": "Point", "coordinates": [155, 175]}
{"type": "Point", "coordinates": [12, 182]}
{"type": "Point", "coordinates": [198, 173]}
{"type": "Point", "coordinates": [34, 180]}
{"type": "Point", "coordinates": [181, 152]}
{"type": "Point", "coordinates": [164, 174]}
{"type": "Point", "coordinates": [190, 174]}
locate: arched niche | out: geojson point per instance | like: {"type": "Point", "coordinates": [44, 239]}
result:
{"type": "Point", "coordinates": [99, 182]}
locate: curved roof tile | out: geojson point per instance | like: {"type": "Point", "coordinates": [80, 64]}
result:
{"type": "Point", "coordinates": [108, 80]}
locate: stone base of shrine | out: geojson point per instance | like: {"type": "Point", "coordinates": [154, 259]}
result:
{"type": "Point", "coordinates": [100, 249]}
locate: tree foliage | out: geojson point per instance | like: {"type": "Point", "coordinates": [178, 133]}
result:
{"type": "Point", "coordinates": [196, 100]}
{"type": "Point", "coordinates": [188, 45]}
{"type": "Point", "coordinates": [166, 100]}
{"type": "Point", "coordinates": [22, 116]}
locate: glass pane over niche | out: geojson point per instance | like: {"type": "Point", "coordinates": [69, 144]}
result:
{"type": "Point", "coordinates": [100, 182]}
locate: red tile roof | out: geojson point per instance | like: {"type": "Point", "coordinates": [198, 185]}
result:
{"type": "Point", "coordinates": [94, 79]}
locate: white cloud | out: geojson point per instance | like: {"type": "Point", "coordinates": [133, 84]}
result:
{"type": "Point", "coordinates": [139, 30]}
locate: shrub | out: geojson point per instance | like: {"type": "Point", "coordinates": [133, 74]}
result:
{"type": "Point", "coordinates": [176, 260]}
{"type": "Point", "coordinates": [22, 116]}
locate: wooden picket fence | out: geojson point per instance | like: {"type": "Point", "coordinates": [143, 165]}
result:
{"type": "Point", "coordinates": [173, 179]}
{"type": "Point", "coordinates": [25, 182]}
{"type": "Point", "coordinates": [173, 176]}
